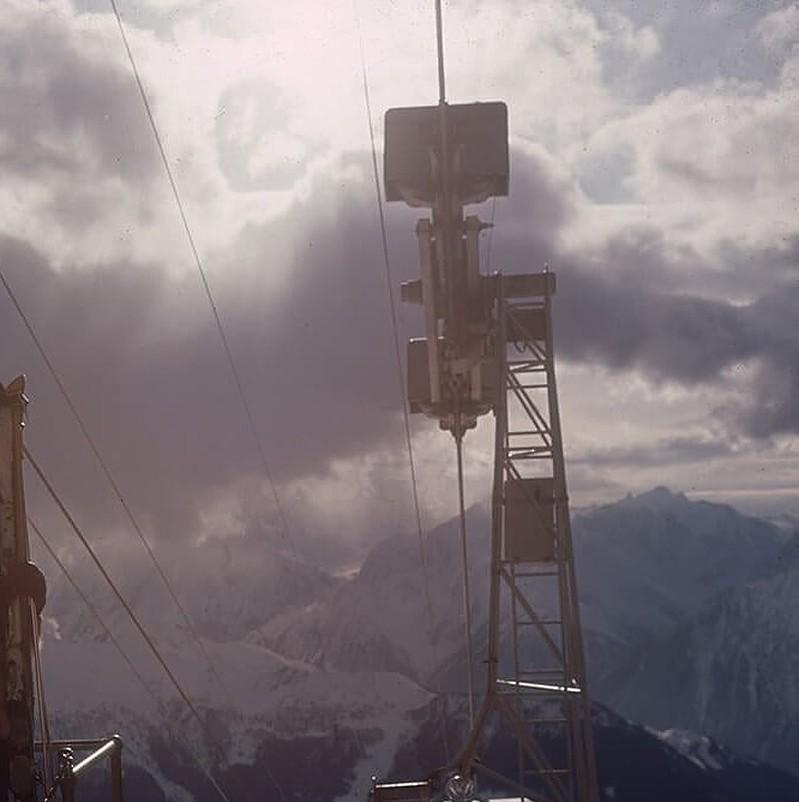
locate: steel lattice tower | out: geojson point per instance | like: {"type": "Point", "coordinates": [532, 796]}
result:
{"type": "Point", "coordinates": [489, 348]}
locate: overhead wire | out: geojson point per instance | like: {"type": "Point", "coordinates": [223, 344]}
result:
{"type": "Point", "coordinates": [396, 338]}
{"type": "Point", "coordinates": [38, 681]}
{"type": "Point", "coordinates": [395, 329]}
{"type": "Point", "coordinates": [156, 652]}
{"type": "Point", "coordinates": [467, 607]}
{"type": "Point", "coordinates": [91, 607]}
{"type": "Point", "coordinates": [205, 283]}
{"type": "Point", "coordinates": [112, 481]}
{"type": "Point", "coordinates": [458, 428]}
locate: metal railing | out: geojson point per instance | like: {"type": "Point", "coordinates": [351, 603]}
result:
{"type": "Point", "coordinates": [69, 770]}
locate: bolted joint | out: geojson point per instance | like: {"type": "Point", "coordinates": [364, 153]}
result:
{"type": "Point", "coordinates": [23, 580]}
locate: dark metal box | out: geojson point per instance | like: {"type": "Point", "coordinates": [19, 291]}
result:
{"type": "Point", "coordinates": [478, 138]}
{"type": "Point", "coordinates": [530, 520]}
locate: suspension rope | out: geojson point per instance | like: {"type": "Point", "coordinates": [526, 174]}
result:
{"type": "Point", "coordinates": [123, 602]}
{"type": "Point", "coordinates": [38, 679]}
{"type": "Point", "coordinates": [397, 348]}
{"type": "Point", "coordinates": [206, 286]}
{"type": "Point", "coordinates": [467, 611]}
{"type": "Point", "coordinates": [118, 646]}
{"type": "Point", "coordinates": [395, 331]}
{"type": "Point", "coordinates": [458, 430]}
{"type": "Point", "coordinates": [113, 483]}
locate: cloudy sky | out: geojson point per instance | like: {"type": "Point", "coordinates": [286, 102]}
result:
{"type": "Point", "coordinates": [654, 167]}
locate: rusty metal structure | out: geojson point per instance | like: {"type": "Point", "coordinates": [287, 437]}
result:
{"type": "Point", "coordinates": [488, 348]}
{"type": "Point", "coordinates": [23, 591]}
{"type": "Point", "coordinates": [22, 596]}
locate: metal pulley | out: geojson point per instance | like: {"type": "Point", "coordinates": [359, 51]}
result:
{"type": "Point", "coordinates": [444, 157]}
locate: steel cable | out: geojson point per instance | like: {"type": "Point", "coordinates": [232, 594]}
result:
{"type": "Point", "coordinates": [204, 280]}
{"type": "Point", "coordinates": [118, 646]}
{"type": "Point", "coordinates": [125, 605]}
{"type": "Point", "coordinates": [396, 343]}
{"type": "Point", "coordinates": [467, 611]}
{"type": "Point", "coordinates": [112, 482]}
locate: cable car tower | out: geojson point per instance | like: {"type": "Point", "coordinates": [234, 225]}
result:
{"type": "Point", "coordinates": [23, 592]}
{"type": "Point", "coordinates": [488, 347]}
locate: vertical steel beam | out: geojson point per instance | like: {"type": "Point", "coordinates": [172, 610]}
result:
{"type": "Point", "coordinates": [116, 771]}
{"type": "Point", "coordinates": [430, 294]}
{"type": "Point", "coordinates": [528, 447]}
{"type": "Point", "coordinates": [582, 731]}
{"type": "Point", "coordinates": [16, 635]}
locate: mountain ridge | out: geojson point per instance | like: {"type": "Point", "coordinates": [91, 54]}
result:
{"type": "Point", "coordinates": [350, 653]}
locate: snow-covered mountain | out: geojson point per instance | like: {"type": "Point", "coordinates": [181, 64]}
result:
{"type": "Point", "coordinates": [345, 671]}
{"type": "Point", "coordinates": [690, 615]}
{"type": "Point", "coordinates": [648, 561]}
{"type": "Point", "coordinates": [637, 764]}
{"type": "Point", "coordinates": [382, 618]}
{"type": "Point", "coordinates": [228, 588]}
{"type": "Point", "coordinates": [731, 670]}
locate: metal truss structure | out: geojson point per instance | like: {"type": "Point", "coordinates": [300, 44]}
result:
{"type": "Point", "coordinates": [23, 591]}
{"type": "Point", "coordinates": [539, 688]}
{"type": "Point", "coordinates": [536, 683]}
{"type": "Point", "coordinates": [488, 346]}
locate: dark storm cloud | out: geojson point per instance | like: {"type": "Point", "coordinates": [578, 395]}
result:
{"type": "Point", "coordinates": [773, 406]}
{"type": "Point", "coordinates": [684, 338]}
{"type": "Point", "coordinates": [689, 340]}
{"type": "Point", "coordinates": [62, 108]}
{"type": "Point", "coordinates": [143, 360]}
{"type": "Point", "coordinates": [304, 304]}
{"type": "Point", "coordinates": [669, 451]}
{"type": "Point", "coordinates": [643, 303]}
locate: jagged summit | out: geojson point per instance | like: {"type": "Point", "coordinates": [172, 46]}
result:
{"type": "Point", "coordinates": [657, 496]}
{"type": "Point", "coordinates": [317, 651]}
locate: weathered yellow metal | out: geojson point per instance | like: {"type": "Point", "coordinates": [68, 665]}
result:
{"type": "Point", "coordinates": [16, 633]}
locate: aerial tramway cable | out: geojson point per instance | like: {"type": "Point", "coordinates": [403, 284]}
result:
{"type": "Point", "coordinates": [397, 351]}
{"type": "Point", "coordinates": [206, 286]}
{"type": "Point", "coordinates": [395, 330]}
{"type": "Point", "coordinates": [125, 605]}
{"type": "Point", "coordinates": [458, 428]}
{"type": "Point", "coordinates": [112, 482]}
{"type": "Point", "coordinates": [118, 646]}
{"type": "Point", "coordinates": [398, 358]}
{"type": "Point", "coordinates": [467, 613]}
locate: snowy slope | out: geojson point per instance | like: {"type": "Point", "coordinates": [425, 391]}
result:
{"type": "Point", "coordinates": [380, 619]}
{"type": "Point", "coordinates": [731, 671]}
{"type": "Point", "coordinates": [649, 563]}
{"type": "Point", "coordinates": [649, 560]}
{"type": "Point", "coordinates": [340, 670]}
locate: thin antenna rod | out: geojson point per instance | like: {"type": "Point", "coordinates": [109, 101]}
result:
{"type": "Point", "coordinates": [443, 211]}
{"type": "Point", "coordinates": [442, 89]}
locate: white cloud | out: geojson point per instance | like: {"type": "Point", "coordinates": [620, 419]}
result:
{"type": "Point", "coordinates": [257, 101]}
{"type": "Point", "coordinates": [640, 42]}
{"type": "Point", "coordinates": [780, 29]}
{"type": "Point", "coordinates": [708, 163]}
{"type": "Point", "coordinates": [272, 93]}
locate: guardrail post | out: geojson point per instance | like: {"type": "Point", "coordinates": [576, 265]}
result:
{"type": "Point", "coordinates": [67, 761]}
{"type": "Point", "coordinates": [116, 770]}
